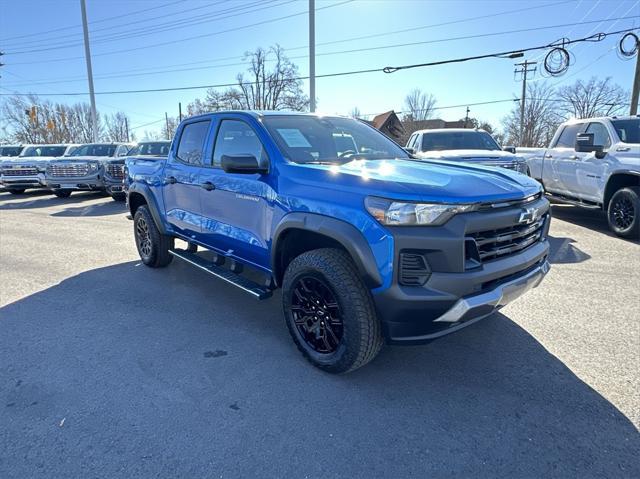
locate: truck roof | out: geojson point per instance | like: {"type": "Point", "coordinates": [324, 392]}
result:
{"type": "Point", "coordinates": [622, 117]}
{"type": "Point", "coordinates": [261, 113]}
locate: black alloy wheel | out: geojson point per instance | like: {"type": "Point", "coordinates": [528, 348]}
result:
{"type": "Point", "coordinates": [622, 212]}
{"type": "Point", "coordinates": [317, 314]}
{"type": "Point", "coordinates": [143, 238]}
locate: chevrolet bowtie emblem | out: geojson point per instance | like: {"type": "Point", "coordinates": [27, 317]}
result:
{"type": "Point", "coordinates": [528, 215]}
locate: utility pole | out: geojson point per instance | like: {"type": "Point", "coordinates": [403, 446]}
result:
{"type": "Point", "coordinates": [466, 118]}
{"type": "Point", "coordinates": [312, 56]}
{"type": "Point", "coordinates": [524, 70]}
{"type": "Point", "coordinates": [166, 118]}
{"type": "Point", "coordinates": [126, 126]}
{"type": "Point", "coordinates": [87, 54]}
{"type": "Point", "coordinates": [635, 89]}
{"type": "Point", "coordinates": [180, 111]}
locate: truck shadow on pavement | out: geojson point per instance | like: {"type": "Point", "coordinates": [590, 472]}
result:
{"type": "Point", "coordinates": [587, 218]}
{"type": "Point", "coordinates": [120, 364]}
{"type": "Point", "coordinates": [100, 209]}
{"type": "Point", "coordinates": [43, 199]}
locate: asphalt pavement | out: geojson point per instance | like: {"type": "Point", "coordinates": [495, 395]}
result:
{"type": "Point", "coordinates": [111, 369]}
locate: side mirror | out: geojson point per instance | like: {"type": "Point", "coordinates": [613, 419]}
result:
{"type": "Point", "coordinates": [584, 144]}
{"type": "Point", "coordinates": [411, 151]}
{"type": "Point", "coordinates": [244, 164]}
{"type": "Point", "coordinates": [510, 149]}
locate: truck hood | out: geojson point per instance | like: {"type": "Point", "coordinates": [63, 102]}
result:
{"type": "Point", "coordinates": [71, 159]}
{"type": "Point", "coordinates": [29, 160]}
{"type": "Point", "coordinates": [468, 155]}
{"type": "Point", "coordinates": [425, 180]}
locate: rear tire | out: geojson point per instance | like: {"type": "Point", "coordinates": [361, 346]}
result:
{"type": "Point", "coordinates": [16, 191]}
{"type": "Point", "coordinates": [153, 246]}
{"type": "Point", "coordinates": [62, 193]}
{"type": "Point", "coordinates": [329, 311]}
{"type": "Point", "coordinates": [623, 212]}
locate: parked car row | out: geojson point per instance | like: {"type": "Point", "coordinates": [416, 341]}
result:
{"type": "Point", "coordinates": [64, 169]}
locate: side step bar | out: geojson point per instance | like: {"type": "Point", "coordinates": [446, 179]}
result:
{"type": "Point", "coordinates": [245, 284]}
{"type": "Point", "coordinates": [570, 201]}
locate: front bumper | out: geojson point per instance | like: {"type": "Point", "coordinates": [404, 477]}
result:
{"type": "Point", "coordinates": [84, 183]}
{"type": "Point", "coordinates": [114, 186]}
{"type": "Point", "coordinates": [31, 181]}
{"type": "Point", "coordinates": [457, 293]}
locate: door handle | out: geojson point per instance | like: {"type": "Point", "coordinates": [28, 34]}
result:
{"type": "Point", "coordinates": [573, 157]}
{"type": "Point", "coordinates": [548, 156]}
{"type": "Point", "coordinates": [172, 180]}
{"type": "Point", "coordinates": [207, 185]}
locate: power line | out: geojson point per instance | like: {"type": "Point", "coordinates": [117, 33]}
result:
{"type": "Point", "coordinates": [219, 32]}
{"type": "Point", "coordinates": [389, 69]}
{"type": "Point", "coordinates": [376, 35]}
{"type": "Point", "coordinates": [130, 73]}
{"type": "Point", "coordinates": [175, 24]}
{"type": "Point", "coordinates": [144, 10]}
{"type": "Point", "coordinates": [45, 40]}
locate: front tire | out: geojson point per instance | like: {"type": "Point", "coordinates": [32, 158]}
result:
{"type": "Point", "coordinates": [153, 246]}
{"type": "Point", "coordinates": [623, 212]}
{"type": "Point", "coordinates": [16, 191]}
{"type": "Point", "coordinates": [118, 196]}
{"type": "Point", "coordinates": [329, 311]}
{"type": "Point", "coordinates": [62, 193]}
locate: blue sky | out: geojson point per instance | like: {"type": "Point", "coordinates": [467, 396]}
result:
{"type": "Point", "coordinates": [123, 62]}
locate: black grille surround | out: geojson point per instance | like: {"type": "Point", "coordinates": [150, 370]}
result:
{"type": "Point", "coordinates": [20, 171]}
{"type": "Point", "coordinates": [503, 242]}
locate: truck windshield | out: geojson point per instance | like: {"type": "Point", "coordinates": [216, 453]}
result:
{"type": "Point", "coordinates": [44, 150]}
{"type": "Point", "coordinates": [628, 130]}
{"type": "Point", "coordinates": [156, 148]}
{"type": "Point", "coordinates": [311, 139]}
{"type": "Point", "coordinates": [10, 150]}
{"type": "Point", "coordinates": [95, 149]}
{"type": "Point", "coordinates": [458, 140]}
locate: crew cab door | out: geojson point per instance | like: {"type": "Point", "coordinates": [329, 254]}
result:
{"type": "Point", "coordinates": [181, 187]}
{"type": "Point", "coordinates": [559, 161]}
{"type": "Point", "coordinates": [237, 208]}
{"type": "Point", "coordinates": [586, 177]}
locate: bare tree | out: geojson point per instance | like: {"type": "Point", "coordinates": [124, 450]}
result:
{"type": "Point", "coordinates": [355, 112]}
{"type": "Point", "coordinates": [592, 98]}
{"type": "Point", "coordinates": [541, 118]}
{"type": "Point", "coordinates": [116, 127]}
{"type": "Point", "coordinates": [419, 105]}
{"type": "Point", "coordinates": [278, 88]}
{"type": "Point", "coordinates": [260, 88]}
{"type": "Point", "coordinates": [170, 128]}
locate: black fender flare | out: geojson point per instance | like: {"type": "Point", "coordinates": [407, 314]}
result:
{"type": "Point", "coordinates": [344, 233]}
{"type": "Point", "coordinates": [147, 194]}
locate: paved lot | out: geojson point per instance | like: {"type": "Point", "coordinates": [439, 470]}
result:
{"type": "Point", "coordinates": [111, 369]}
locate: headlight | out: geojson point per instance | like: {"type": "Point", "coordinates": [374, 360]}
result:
{"type": "Point", "coordinates": [398, 213]}
{"type": "Point", "coordinates": [93, 167]}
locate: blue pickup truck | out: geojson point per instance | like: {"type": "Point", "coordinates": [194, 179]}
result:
{"type": "Point", "coordinates": [368, 244]}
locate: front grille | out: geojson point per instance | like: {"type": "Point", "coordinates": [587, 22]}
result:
{"type": "Point", "coordinates": [26, 171]}
{"type": "Point", "coordinates": [493, 244]}
{"type": "Point", "coordinates": [414, 269]}
{"type": "Point", "coordinates": [68, 170]}
{"type": "Point", "coordinates": [116, 171]}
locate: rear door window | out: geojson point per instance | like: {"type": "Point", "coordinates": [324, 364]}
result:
{"type": "Point", "coordinates": [192, 141]}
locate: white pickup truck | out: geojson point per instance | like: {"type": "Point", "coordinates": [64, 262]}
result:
{"type": "Point", "coordinates": [594, 163]}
